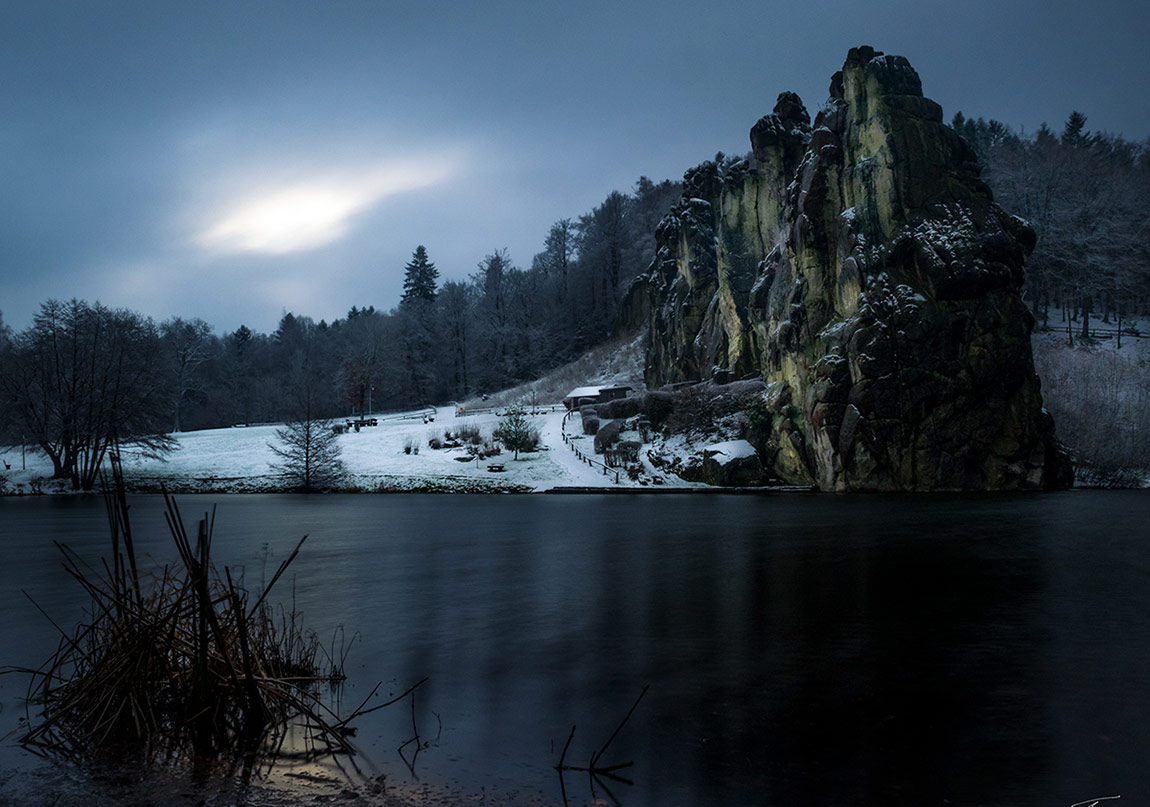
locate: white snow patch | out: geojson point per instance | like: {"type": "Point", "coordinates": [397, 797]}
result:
{"type": "Point", "coordinates": [731, 450]}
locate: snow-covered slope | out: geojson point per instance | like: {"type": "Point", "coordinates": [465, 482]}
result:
{"type": "Point", "coordinates": [239, 459]}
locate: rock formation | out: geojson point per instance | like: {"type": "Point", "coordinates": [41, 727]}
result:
{"type": "Point", "coordinates": [861, 268]}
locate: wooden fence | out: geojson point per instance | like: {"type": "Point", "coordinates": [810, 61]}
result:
{"type": "Point", "coordinates": [593, 463]}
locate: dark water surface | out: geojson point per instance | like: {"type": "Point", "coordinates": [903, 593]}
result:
{"type": "Point", "coordinates": [801, 649]}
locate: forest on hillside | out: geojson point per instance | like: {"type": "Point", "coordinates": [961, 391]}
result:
{"type": "Point", "coordinates": [85, 373]}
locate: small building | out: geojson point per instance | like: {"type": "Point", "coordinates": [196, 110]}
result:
{"type": "Point", "coordinates": [595, 395]}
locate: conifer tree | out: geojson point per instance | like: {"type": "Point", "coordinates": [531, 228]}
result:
{"type": "Point", "coordinates": [420, 278]}
{"type": "Point", "coordinates": [1074, 133]}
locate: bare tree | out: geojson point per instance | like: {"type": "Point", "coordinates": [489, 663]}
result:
{"type": "Point", "coordinates": [308, 447]}
{"type": "Point", "coordinates": [189, 345]}
{"type": "Point", "coordinates": [1085, 197]}
{"type": "Point", "coordinates": [309, 454]}
{"type": "Point", "coordinates": [456, 308]}
{"type": "Point", "coordinates": [85, 379]}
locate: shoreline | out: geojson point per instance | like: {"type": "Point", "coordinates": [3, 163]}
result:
{"type": "Point", "coordinates": [394, 484]}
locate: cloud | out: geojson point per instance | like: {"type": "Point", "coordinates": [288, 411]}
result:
{"type": "Point", "coordinates": [306, 214]}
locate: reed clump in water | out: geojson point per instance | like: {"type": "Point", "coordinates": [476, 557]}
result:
{"type": "Point", "coordinates": [181, 664]}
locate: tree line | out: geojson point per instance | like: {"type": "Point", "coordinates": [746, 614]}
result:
{"type": "Point", "coordinates": [1086, 196]}
{"type": "Point", "coordinates": [84, 377]}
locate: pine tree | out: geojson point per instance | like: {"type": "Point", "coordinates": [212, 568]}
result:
{"type": "Point", "coordinates": [420, 278]}
{"type": "Point", "coordinates": [1074, 133]}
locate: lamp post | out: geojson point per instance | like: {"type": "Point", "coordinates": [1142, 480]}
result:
{"type": "Point", "coordinates": [370, 389]}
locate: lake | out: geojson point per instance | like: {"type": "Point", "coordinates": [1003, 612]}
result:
{"type": "Point", "coordinates": [800, 648]}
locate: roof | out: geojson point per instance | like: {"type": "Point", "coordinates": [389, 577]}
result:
{"type": "Point", "coordinates": [584, 392]}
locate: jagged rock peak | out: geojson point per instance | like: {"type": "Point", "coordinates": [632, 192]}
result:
{"type": "Point", "coordinates": [893, 73]}
{"type": "Point", "coordinates": [860, 267]}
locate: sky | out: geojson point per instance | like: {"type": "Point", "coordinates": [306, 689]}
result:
{"type": "Point", "coordinates": [234, 160]}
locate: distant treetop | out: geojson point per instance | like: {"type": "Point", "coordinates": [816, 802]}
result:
{"type": "Point", "coordinates": [420, 279]}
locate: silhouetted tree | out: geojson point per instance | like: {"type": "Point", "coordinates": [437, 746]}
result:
{"type": "Point", "coordinates": [420, 278]}
{"type": "Point", "coordinates": [189, 344]}
{"type": "Point", "coordinates": [84, 380]}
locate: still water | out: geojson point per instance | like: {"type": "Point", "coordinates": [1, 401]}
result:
{"type": "Point", "coordinates": [800, 648]}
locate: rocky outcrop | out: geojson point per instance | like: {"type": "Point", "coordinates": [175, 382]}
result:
{"type": "Point", "coordinates": [861, 268]}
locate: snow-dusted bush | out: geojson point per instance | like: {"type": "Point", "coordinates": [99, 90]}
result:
{"type": "Point", "coordinates": [608, 435]}
{"type": "Point", "coordinates": [470, 433]}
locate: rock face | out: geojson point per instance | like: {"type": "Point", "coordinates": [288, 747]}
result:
{"type": "Point", "coordinates": [862, 269]}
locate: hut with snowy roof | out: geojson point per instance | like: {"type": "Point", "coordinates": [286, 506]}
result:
{"type": "Point", "coordinates": [595, 395]}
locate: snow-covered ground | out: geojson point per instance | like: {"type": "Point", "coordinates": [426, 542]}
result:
{"type": "Point", "coordinates": [240, 459]}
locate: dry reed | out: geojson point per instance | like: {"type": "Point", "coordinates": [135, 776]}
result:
{"type": "Point", "coordinates": [179, 665]}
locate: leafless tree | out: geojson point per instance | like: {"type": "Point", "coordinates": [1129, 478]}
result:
{"type": "Point", "coordinates": [189, 344]}
{"type": "Point", "coordinates": [86, 379]}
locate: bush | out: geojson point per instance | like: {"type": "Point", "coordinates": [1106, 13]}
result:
{"type": "Point", "coordinates": [658, 405]}
{"type": "Point", "coordinates": [470, 434]}
{"type": "Point", "coordinates": [608, 435]}
{"type": "Point", "coordinates": [621, 408]}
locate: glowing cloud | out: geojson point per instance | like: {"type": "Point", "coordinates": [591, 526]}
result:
{"type": "Point", "coordinates": [305, 215]}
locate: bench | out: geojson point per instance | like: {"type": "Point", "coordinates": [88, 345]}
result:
{"type": "Point", "coordinates": [495, 466]}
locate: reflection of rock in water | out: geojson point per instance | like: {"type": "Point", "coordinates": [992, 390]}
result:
{"type": "Point", "coordinates": [861, 268]}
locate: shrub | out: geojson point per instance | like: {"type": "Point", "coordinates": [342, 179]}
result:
{"type": "Point", "coordinates": [470, 434]}
{"type": "Point", "coordinates": [608, 435]}
{"type": "Point", "coordinates": [621, 408]}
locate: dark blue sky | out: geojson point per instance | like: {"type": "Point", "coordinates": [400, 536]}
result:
{"type": "Point", "coordinates": [233, 160]}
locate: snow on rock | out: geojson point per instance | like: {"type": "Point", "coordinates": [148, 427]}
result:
{"type": "Point", "coordinates": [729, 451]}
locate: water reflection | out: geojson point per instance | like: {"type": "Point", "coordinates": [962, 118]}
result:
{"type": "Point", "coordinates": [800, 649]}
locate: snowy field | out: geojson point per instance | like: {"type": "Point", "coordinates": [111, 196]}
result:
{"type": "Point", "coordinates": [239, 459]}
